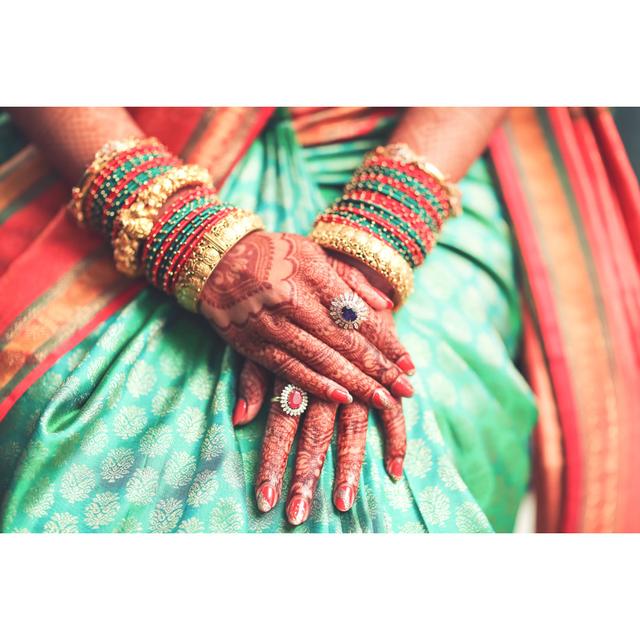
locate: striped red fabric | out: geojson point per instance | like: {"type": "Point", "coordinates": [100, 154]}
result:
{"type": "Point", "coordinates": [561, 178]}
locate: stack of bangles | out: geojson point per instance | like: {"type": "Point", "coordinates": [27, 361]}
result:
{"type": "Point", "coordinates": [164, 219]}
{"type": "Point", "coordinates": [390, 215]}
{"type": "Point", "coordinates": [123, 194]}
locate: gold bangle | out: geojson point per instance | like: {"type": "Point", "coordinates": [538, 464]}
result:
{"type": "Point", "coordinates": [133, 225]}
{"type": "Point", "coordinates": [104, 155]}
{"type": "Point", "coordinates": [371, 251]}
{"type": "Point", "coordinates": [403, 153]}
{"type": "Point", "coordinates": [208, 253]}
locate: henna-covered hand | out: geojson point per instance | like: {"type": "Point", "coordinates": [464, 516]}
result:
{"type": "Point", "coordinates": [315, 436]}
{"type": "Point", "coordinates": [269, 298]}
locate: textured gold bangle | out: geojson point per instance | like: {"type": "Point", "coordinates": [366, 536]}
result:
{"type": "Point", "coordinates": [104, 155]}
{"type": "Point", "coordinates": [376, 254]}
{"type": "Point", "coordinates": [206, 256]}
{"type": "Point", "coordinates": [133, 225]}
{"type": "Point", "coordinates": [403, 153]}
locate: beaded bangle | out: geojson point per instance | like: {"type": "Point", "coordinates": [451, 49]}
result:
{"type": "Point", "coordinates": [123, 190]}
{"type": "Point", "coordinates": [185, 206]}
{"type": "Point", "coordinates": [127, 195]}
{"type": "Point", "coordinates": [405, 157]}
{"type": "Point", "coordinates": [133, 224]}
{"type": "Point", "coordinates": [400, 221]}
{"type": "Point", "coordinates": [390, 214]}
{"type": "Point", "coordinates": [118, 177]}
{"type": "Point", "coordinates": [180, 241]}
{"type": "Point", "coordinates": [383, 229]}
{"type": "Point", "coordinates": [106, 153]}
{"type": "Point", "coordinates": [432, 197]}
{"type": "Point", "coordinates": [188, 238]}
{"type": "Point", "coordinates": [423, 229]}
{"type": "Point", "coordinates": [122, 193]}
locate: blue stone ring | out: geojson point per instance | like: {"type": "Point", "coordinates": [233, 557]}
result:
{"type": "Point", "coordinates": [348, 311]}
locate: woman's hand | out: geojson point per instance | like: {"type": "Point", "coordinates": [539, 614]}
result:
{"type": "Point", "coordinates": [315, 436]}
{"type": "Point", "coordinates": [269, 298]}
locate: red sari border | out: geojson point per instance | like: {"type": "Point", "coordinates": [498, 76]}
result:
{"type": "Point", "coordinates": [37, 372]}
{"type": "Point", "coordinates": [546, 317]}
{"type": "Point", "coordinates": [581, 347]}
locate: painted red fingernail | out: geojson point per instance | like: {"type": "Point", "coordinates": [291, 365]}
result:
{"type": "Point", "coordinates": [395, 468]}
{"type": "Point", "coordinates": [297, 511]}
{"type": "Point", "coordinates": [239, 412]}
{"type": "Point", "coordinates": [406, 364]}
{"type": "Point", "coordinates": [266, 497]}
{"type": "Point", "coordinates": [386, 302]}
{"type": "Point", "coordinates": [402, 387]}
{"type": "Point", "coordinates": [343, 397]}
{"type": "Point", "coordinates": [343, 497]}
{"type": "Point", "coordinates": [381, 399]}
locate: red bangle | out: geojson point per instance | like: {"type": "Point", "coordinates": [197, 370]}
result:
{"type": "Point", "coordinates": [168, 212]}
{"type": "Point", "coordinates": [183, 256]}
{"type": "Point", "coordinates": [380, 199]}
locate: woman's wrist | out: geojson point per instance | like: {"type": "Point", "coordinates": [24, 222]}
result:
{"type": "Point", "coordinates": [209, 249]}
{"type": "Point", "coordinates": [390, 215]}
{"type": "Point", "coordinates": [163, 218]}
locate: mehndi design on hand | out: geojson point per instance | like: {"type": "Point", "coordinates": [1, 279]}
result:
{"type": "Point", "coordinates": [316, 432]}
{"type": "Point", "coordinates": [269, 298]}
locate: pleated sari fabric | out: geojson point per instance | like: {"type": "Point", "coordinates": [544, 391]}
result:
{"type": "Point", "coordinates": [574, 205]}
{"type": "Point", "coordinates": [120, 421]}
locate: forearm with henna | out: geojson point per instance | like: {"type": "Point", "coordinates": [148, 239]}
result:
{"type": "Point", "coordinates": [71, 136]}
{"type": "Point", "coordinates": [451, 138]}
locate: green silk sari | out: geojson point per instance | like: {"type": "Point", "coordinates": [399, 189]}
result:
{"type": "Point", "coordinates": [131, 430]}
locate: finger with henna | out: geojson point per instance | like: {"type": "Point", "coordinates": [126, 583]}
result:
{"type": "Point", "coordinates": [315, 437]}
{"type": "Point", "coordinates": [352, 436]}
{"type": "Point", "coordinates": [252, 389]}
{"type": "Point", "coordinates": [280, 431]}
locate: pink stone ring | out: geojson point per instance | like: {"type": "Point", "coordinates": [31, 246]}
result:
{"type": "Point", "coordinates": [293, 400]}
